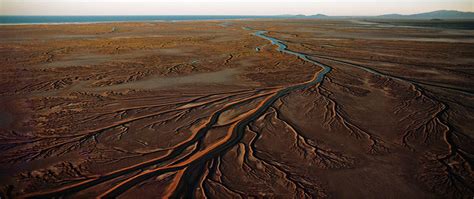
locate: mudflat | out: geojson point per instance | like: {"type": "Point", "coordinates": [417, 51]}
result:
{"type": "Point", "coordinates": [237, 109]}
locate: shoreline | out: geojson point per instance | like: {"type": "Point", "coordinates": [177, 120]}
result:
{"type": "Point", "coordinates": [138, 21]}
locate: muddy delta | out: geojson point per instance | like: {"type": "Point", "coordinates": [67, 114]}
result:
{"type": "Point", "coordinates": [236, 109]}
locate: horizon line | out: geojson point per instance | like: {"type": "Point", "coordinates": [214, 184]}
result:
{"type": "Point", "coordinates": [257, 15]}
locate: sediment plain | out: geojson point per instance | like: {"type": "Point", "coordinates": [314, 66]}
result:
{"type": "Point", "coordinates": [236, 109]}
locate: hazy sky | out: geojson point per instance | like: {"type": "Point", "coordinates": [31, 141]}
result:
{"type": "Point", "coordinates": [227, 7]}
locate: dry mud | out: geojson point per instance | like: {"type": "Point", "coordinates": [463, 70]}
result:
{"type": "Point", "coordinates": [212, 110]}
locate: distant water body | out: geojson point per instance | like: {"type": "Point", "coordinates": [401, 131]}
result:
{"type": "Point", "coordinates": [98, 19]}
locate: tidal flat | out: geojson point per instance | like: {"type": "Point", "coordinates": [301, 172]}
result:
{"type": "Point", "coordinates": [277, 108]}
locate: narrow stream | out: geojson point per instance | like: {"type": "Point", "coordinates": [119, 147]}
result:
{"type": "Point", "coordinates": [236, 133]}
{"type": "Point", "coordinates": [238, 129]}
{"type": "Point", "coordinates": [284, 48]}
{"type": "Point", "coordinates": [197, 159]}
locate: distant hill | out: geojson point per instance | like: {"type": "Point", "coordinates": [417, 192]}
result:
{"type": "Point", "coordinates": [304, 16]}
{"type": "Point", "coordinates": [440, 14]}
{"type": "Point", "coordinates": [318, 16]}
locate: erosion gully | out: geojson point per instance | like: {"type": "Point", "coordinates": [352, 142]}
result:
{"type": "Point", "coordinates": [189, 169]}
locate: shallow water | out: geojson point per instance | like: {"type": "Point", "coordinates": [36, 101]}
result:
{"type": "Point", "coordinates": [129, 18]}
{"type": "Point", "coordinates": [284, 48]}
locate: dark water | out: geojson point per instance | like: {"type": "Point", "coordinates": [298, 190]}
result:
{"type": "Point", "coordinates": [93, 19]}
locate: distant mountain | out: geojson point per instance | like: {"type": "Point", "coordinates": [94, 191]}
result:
{"type": "Point", "coordinates": [391, 16]}
{"type": "Point", "coordinates": [440, 14]}
{"type": "Point", "coordinates": [304, 16]}
{"type": "Point", "coordinates": [318, 16]}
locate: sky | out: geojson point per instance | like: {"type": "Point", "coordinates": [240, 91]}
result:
{"type": "Point", "coordinates": [228, 7]}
